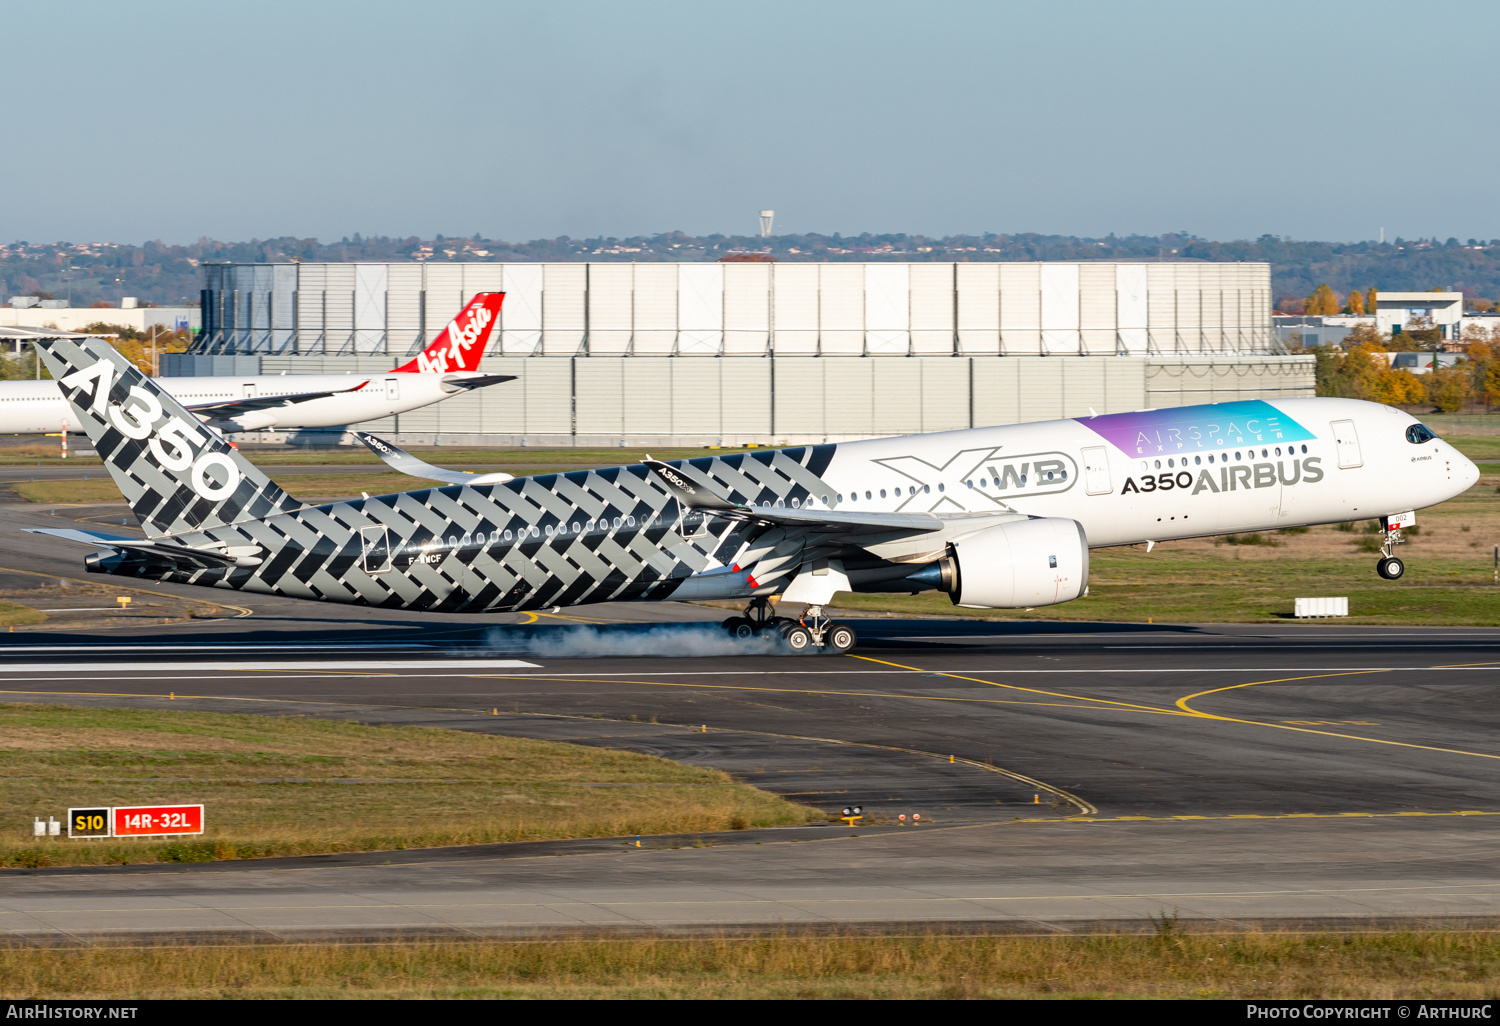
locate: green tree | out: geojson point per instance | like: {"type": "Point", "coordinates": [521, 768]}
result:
{"type": "Point", "coordinates": [1448, 388]}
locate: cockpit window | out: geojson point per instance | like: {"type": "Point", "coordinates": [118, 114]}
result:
{"type": "Point", "coordinates": [1419, 433]}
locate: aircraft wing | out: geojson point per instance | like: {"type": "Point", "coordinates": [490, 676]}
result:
{"type": "Point", "coordinates": [399, 459]}
{"type": "Point", "coordinates": [695, 494]}
{"type": "Point", "coordinates": [228, 408]}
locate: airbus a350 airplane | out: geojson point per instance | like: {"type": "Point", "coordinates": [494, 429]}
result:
{"type": "Point", "coordinates": [998, 517]}
{"type": "Point", "coordinates": [447, 367]}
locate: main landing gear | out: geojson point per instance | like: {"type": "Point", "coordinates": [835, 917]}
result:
{"type": "Point", "coordinates": [803, 635]}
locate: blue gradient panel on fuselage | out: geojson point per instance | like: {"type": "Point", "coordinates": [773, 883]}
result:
{"type": "Point", "coordinates": [1197, 428]}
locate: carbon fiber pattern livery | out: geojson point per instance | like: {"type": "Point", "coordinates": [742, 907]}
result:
{"type": "Point", "coordinates": [130, 422]}
{"type": "Point", "coordinates": [556, 539]}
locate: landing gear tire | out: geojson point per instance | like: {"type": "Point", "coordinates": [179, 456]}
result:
{"type": "Point", "coordinates": [743, 629]}
{"type": "Point", "coordinates": [839, 639]}
{"type": "Point", "coordinates": [1390, 568]}
{"type": "Point", "coordinates": [798, 638]}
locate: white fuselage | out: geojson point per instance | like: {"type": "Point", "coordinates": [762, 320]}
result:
{"type": "Point", "coordinates": [1201, 474]}
{"type": "Point", "coordinates": [29, 407]}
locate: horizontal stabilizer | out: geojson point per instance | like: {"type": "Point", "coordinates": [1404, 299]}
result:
{"type": "Point", "coordinates": [399, 459]}
{"type": "Point", "coordinates": [472, 381]}
{"type": "Point", "coordinates": [184, 556]}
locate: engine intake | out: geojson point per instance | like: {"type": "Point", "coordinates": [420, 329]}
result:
{"type": "Point", "coordinates": [1038, 562]}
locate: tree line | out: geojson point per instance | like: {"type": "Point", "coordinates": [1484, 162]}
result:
{"type": "Point", "coordinates": [1360, 370]}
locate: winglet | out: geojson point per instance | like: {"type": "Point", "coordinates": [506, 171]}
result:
{"type": "Point", "coordinates": [399, 459]}
{"type": "Point", "coordinates": [686, 491]}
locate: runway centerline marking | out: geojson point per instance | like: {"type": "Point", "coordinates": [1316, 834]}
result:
{"type": "Point", "coordinates": [1182, 704]}
{"type": "Point", "coordinates": [1133, 706]}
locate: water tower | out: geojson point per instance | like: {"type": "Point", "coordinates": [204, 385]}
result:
{"type": "Point", "coordinates": [766, 217]}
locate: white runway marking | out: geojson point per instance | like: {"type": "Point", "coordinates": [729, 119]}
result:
{"type": "Point", "coordinates": [227, 664]}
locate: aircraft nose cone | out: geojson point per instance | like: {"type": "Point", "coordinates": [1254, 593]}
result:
{"type": "Point", "coordinates": [1468, 472]}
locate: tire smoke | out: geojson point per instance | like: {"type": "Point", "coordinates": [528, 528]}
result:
{"type": "Point", "coordinates": [589, 642]}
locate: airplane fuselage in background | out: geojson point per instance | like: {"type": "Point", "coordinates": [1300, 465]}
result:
{"type": "Point", "coordinates": [34, 407]}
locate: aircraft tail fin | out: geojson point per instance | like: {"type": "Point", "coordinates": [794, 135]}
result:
{"type": "Point", "coordinates": [460, 345]}
{"type": "Point", "coordinates": [177, 474]}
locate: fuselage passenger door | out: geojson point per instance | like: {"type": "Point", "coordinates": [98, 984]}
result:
{"type": "Point", "coordinates": [1347, 441]}
{"type": "Point", "coordinates": [375, 543]}
{"type": "Point", "coordinates": [1096, 470]}
{"type": "Point", "coordinates": [393, 389]}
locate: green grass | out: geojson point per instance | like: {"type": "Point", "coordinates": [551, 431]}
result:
{"type": "Point", "coordinates": [292, 786]}
{"type": "Point", "coordinates": [1476, 447]}
{"type": "Point", "coordinates": [12, 615]}
{"type": "Point", "coordinates": [1413, 966]}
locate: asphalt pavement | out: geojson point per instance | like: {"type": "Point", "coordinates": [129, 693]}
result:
{"type": "Point", "coordinates": [1068, 776]}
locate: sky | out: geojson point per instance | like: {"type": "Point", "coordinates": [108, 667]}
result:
{"type": "Point", "coordinates": [1323, 120]}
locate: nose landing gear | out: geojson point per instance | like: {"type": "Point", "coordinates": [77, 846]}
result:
{"type": "Point", "coordinates": [1390, 567]}
{"type": "Point", "coordinates": [803, 635]}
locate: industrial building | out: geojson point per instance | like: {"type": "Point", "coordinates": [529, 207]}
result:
{"type": "Point", "coordinates": [770, 353]}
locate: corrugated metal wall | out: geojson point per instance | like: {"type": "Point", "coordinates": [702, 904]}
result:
{"type": "Point", "coordinates": [657, 400]}
{"type": "Point", "coordinates": [748, 309]}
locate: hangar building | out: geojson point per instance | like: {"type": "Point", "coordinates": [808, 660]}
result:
{"type": "Point", "coordinates": [734, 353]}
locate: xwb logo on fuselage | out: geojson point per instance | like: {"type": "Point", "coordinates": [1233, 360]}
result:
{"type": "Point", "coordinates": [1038, 473]}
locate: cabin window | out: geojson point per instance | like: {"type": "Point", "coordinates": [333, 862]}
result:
{"type": "Point", "coordinates": [617, 522]}
{"type": "Point", "coordinates": [882, 493]}
{"type": "Point", "coordinates": [825, 500]}
{"type": "Point", "coordinates": [549, 530]}
{"type": "Point", "coordinates": [1264, 453]}
{"type": "Point", "coordinates": [1237, 457]}
{"type": "Point", "coordinates": [1210, 457]}
{"type": "Point", "coordinates": [453, 543]}
{"type": "Point", "coordinates": [1158, 464]}
{"type": "Point", "coordinates": [507, 536]}
{"type": "Point", "coordinates": [837, 495]}
{"type": "Point", "coordinates": [941, 488]}
{"type": "Point", "coordinates": [1304, 448]}
{"type": "Point", "coordinates": [928, 488]}
{"type": "Point", "coordinates": [630, 521]}
{"type": "Point", "coordinates": [1198, 461]}
{"type": "Point", "coordinates": [795, 504]}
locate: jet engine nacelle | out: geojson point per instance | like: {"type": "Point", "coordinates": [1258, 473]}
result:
{"type": "Point", "coordinates": [1038, 562]}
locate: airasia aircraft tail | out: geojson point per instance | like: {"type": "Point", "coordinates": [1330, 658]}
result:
{"type": "Point", "coordinates": [462, 343]}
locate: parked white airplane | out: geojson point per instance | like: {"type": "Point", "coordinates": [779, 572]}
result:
{"type": "Point", "coordinates": [447, 367]}
{"type": "Point", "coordinates": [998, 517]}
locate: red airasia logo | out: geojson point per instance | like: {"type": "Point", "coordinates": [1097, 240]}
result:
{"type": "Point", "coordinates": [143, 820]}
{"type": "Point", "coordinates": [462, 343]}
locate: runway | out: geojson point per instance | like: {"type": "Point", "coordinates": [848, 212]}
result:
{"type": "Point", "coordinates": [1073, 776]}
